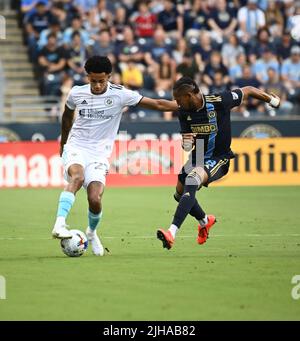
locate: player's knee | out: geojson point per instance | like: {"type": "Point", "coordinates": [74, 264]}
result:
{"type": "Point", "coordinates": [78, 179]}
{"type": "Point", "coordinates": [193, 180]}
{"type": "Point", "coordinates": [177, 196]}
{"type": "Point", "coordinates": [94, 200]}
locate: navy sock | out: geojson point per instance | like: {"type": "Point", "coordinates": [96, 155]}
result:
{"type": "Point", "coordinates": [197, 211]}
{"type": "Point", "coordinates": [186, 203]}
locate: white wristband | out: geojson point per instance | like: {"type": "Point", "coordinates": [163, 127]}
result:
{"type": "Point", "coordinates": [274, 102]}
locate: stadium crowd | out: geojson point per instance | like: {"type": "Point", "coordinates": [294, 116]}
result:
{"type": "Point", "coordinates": [221, 44]}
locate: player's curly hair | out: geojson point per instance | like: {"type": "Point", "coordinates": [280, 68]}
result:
{"type": "Point", "coordinates": [186, 84]}
{"type": "Point", "coordinates": [98, 64]}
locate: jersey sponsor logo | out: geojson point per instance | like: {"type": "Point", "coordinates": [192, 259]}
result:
{"type": "Point", "coordinates": [94, 114]}
{"type": "Point", "coordinates": [109, 102]}
{"type": "Point", "coordinates": [204, 128]}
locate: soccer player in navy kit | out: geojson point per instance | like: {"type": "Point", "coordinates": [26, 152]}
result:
{"type": "Point", "coordinates": [204, 118]}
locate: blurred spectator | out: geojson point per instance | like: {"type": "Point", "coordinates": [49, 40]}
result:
{"type": "Point", "coordinates": [231, 51]}
{"type": "Point", "coordinates": [129, 50]}
{"type": "Point", "coordinates": [119, 24]}
{"type": "Point", "coordinates": [188, 67]}
{"type": "Point", "coordinates": [171, 20]}
{"type": "Point", "coordinates": [261, 43]}
{"type": "Point", "coordinates": [36, 22]}
{"type": "Point", "coordinates": [84, 6]}
{"type": "Point", "coordinates": [76, 56]}
{"type": "Point", "coordinates": [293, 15]}
{"type": "Point", "coordinates": [222, 21]}
{"type": "Point", "coordinates": [250, 19]}
{"type": "Point", "coordinates": [103, 46]}
{"type": "Point", "coordinates": [69, 8]}
{"type": "Point", "coordinates": [59, 14]}
{"type": "Point", "coordinates": [215, 65]}
{"type": "Point", "coordinates": [262, 65]}
{"type": "Point", "coordinates": [158, 47]}
{"type": "Point", "coordinates": [236, 70]}
{"type": "Point", "coordinates": [52, 63]}
{"type": "Point", "coordinates": [144, 21]}
{"type": "Point", "coordinates": [283, 47]}
{"type": "Point", "coordinates": [29, 6]}
{"type": "Point", "coordinates": [132, 76]}
{"type": "Point", "coordinates": [248, 79]}
{"type": "Point", "coordinates": [219, 85]}
{"type": "Point", "coordinates": [104, 12]}
{"type": "Point", "coordinates": [274, 85]}
{"type": "Point", "coordinates": [165, 75]}
{"type": "Point", "coordinates": [54, 27]}
{"type": "Point", "coordinates": [274, 18]}
{"type": "Point", "coordinates": [203, 49]}
{"type": "Point", "coordinates": [76, 27]}
{"type": "Point", "coordinates": [290, 74]}
{"type": "Point", "coordinates": [179, 50]}
{"type": "Point", "coordinates": [195, 18]}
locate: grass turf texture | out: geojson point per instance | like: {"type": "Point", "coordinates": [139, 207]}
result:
{"type": "Point", "coordinates": [243, 272]}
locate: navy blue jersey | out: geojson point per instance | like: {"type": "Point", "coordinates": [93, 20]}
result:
{"type": "Point", "coordinates": [212, 123]}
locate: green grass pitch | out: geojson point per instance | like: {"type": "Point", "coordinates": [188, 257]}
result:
{"type": "Point", "coordinates": [243, 272]}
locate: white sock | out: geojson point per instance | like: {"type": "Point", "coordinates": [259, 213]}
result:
{"type": "Point", "coordinates": [203, 221]}
{"type": "Point", "coordinates": [173, 229]}
{"type": "Point", "coordinates": [60, 220]}
{"type": "Point", "coordinates": [90, 231]}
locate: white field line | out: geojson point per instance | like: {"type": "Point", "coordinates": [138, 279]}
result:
{"type": "Point", "coordinates": [185, 236]}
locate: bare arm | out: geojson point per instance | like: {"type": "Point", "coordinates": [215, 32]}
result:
{"type": "Point", "coordinates": [158, 104]}
{"type": "Point", "coordinates": [251, 91]}
{"type": "Point", "coordinates": [66, 125]}
{"type": "Point", "coordinates": [213, 25]}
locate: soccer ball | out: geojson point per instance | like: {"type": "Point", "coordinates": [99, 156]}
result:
{"type": "Point", "coordinates": [75, 246]}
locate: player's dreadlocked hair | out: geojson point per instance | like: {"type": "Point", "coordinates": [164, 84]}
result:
{"type": "Point", "coordinates": [98, 64]}
{"type": "Point", "coordinates": [184, 84]}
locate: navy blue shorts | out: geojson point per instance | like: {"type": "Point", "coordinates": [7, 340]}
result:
{"type": "Point", "coordinates": [215, 167]}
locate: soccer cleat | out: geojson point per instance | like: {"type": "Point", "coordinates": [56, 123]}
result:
{"type": "Point", "coordinates": [203, 231]}
{"type": "Point", "coordinates": [60, 231]}
{"type": "Point", "coordinates": [166, 238]}
{"type": "Point", "coordinates": [94, 241]}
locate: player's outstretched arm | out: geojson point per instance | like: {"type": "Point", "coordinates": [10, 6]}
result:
{"type": "Point", "coordinates": [158, 104]}
{"type": "Point", "coordinates": [66, 125]}
{"type": "Point", "coordinates": [271, 98]}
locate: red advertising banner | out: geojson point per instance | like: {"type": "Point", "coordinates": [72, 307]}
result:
{"type": "Point", "coordinates": [258, 162]}
{"type": "Point", "coordinates": [133, 163]}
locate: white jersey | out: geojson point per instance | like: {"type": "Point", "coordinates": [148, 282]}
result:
{"type": "Point", "coordinates": [98, 116]}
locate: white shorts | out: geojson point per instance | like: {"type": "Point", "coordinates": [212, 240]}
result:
{"type": "Point", "coordinates": [95, 167]}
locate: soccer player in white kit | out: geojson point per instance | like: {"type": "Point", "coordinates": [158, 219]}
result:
{"type": "Point", "coordinates": [87, 143]}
